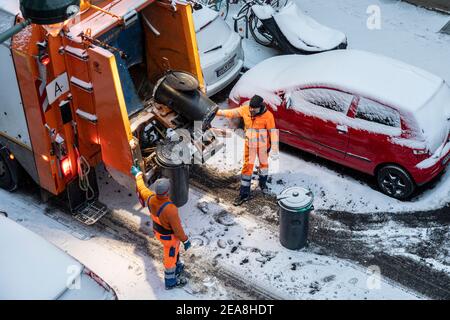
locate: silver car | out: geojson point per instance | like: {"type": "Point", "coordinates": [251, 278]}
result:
{"type": "Point", "coordinates": [33, 269]}
{"type": "Point", "coordinates": [220, 49]}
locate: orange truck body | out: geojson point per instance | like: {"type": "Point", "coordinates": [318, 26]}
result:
{"type": "Point", "coordinates": [71, 95]}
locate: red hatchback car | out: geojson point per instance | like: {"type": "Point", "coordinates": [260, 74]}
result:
{"type": "Point", "coordinates": [362, 110]}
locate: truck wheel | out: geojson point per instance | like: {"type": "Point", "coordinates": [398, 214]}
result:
{"type": "Point", "coordinates": [7, 180]}
{"type": "Point", "coordinates": [395, 182]}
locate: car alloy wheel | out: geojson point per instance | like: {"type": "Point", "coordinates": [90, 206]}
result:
{"type": "Point", "coordinates": [395, 182]}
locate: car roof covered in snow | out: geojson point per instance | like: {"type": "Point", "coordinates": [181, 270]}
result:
{"type": "Point", "coordinates": [362, 73]}
{"type": "Point", "coordinates": [31, 267]}
{"type": "Point", "coordinates": [10, 6]}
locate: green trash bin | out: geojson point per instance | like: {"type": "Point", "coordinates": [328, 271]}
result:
{"type": "Point", "coordinates": [295, 206]}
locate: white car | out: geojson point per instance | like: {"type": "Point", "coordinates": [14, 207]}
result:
{"type": "Point", "coordinates": [220, 49]}
{"type": "Point", "coordinates": [33, 269]}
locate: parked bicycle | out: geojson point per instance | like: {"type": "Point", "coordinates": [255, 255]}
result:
{"type": "Point", "coordinates": [252, 22]}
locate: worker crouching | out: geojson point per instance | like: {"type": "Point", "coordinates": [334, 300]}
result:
{"type": "Point", "coordinates": [166, 226]}
{"type": "Point", "coordinates": [261, 138]}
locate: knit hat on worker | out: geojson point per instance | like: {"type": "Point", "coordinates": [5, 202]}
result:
{"type": "Point", "coordinates": [162, 187]}
{"type": "Point", "coordinates": [256, 102]}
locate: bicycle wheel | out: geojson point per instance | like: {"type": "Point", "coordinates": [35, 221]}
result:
{"type": "Point", "coordinates": [259, 32]}
{"type": "Point", "coordinates": [222, 7]}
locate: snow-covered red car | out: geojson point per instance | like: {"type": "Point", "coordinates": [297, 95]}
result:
{"type": "Point", "coordinates": [33, 269]}
{"type": "Point", "coordinates": [220, 50]}
{"type": "Point", "coordinates": [362, 110]}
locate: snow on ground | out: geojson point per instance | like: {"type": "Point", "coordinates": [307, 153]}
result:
{"type": "Point", "coordinates": [408, 33]}
{"type": "Point", "coordinates": [238, 244]}
{"type": "Point", "coordinates": [132, 274]}
{"type": "Point", "coordinates": [243, 246]}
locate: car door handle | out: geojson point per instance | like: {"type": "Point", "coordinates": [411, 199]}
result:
{"type": "Point", "coordinates": [342, 129]}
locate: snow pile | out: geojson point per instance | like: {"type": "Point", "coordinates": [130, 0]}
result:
{"type": "Point", "coordinates": [263, 12]}
{"type": "Point", "coordinates": [31, 268]}
{"type": "Point", "coordinates": [305, 33]}
{"type": "Point", "coordinates": [302, 31]}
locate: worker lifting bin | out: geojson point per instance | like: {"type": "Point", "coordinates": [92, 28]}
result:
{"type": "Point", "coordinates": [295, 206]}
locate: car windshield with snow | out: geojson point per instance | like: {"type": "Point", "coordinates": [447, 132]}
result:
{"type": "Point", "coordinates": [362, 110]}
{"type": "Point", "coordinates": [34, 269]}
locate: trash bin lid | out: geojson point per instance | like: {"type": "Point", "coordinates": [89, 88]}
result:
{"type": "Point", "coordinates": [168, 154]}
{"type": "Point", "coordinates": [295, 199]}
{"type": "Point", "coordinates": [183, 81]}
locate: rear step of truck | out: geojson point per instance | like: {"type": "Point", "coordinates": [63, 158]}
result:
{"type": "Point", "coordinates": [90, 212]}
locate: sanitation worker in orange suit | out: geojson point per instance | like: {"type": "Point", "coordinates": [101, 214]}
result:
{"type": "Point", "coordinates": [261, 138]}
{"type": "Point", "coordinates": [166, 226]}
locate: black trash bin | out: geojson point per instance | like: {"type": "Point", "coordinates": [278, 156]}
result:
{"type": "Point", "coordinates": [295, 206]}
{"type": "Point", "coordinates": [173, 167]}
{"type": "Point", "coordinates": [180, 91]}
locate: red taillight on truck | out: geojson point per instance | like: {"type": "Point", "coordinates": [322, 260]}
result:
{"type": "Point", "coordinates": [66, 167]}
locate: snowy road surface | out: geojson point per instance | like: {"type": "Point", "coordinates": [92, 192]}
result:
{"type": "Point", "coordinates": [237, 245]}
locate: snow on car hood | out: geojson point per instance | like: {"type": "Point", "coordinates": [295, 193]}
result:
{"type": "Point", "coordinates": [302, 31]}
{"type": "Point", "coordinates": [212, 32]}
{"type": "Point", "coordinates": [202, 17]}
{"type": "Point", "coordinates": [11, 6]}
{"type": "Point", "coordinates": [31, 268]}
{"type": "Point", "coordinates": [370, 75]}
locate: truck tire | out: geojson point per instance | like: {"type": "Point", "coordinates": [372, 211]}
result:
{"type": "Point", "coordinates": [395, 182]}
{"type": "Point", "coordinates": [8, 173]}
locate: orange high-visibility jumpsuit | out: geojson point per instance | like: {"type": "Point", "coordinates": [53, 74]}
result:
{"type": "Point", "coordinates": [261, 137]}
{"type": "Point", "coordinates": [166, 227]}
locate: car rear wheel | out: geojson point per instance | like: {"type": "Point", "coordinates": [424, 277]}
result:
{"type": "Point", "coordinates": [395, 182]}
{"type": "Point", "coordinates": [6, 176]}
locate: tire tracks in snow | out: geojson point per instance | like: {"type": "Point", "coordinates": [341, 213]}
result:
{"type": "Point", "coordinates": [334, 233]}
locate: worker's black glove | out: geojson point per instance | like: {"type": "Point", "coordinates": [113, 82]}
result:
{"type": "Point", "coordinates": [187, 245]}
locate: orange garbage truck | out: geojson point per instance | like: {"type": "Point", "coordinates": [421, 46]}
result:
{"type": "Point", "coordinates": [113, 85]}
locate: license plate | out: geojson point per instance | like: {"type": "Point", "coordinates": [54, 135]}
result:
{"type": "Point", "coordinates": [446, 159]}
{"type": "Point", "coordinates": [226, 67]}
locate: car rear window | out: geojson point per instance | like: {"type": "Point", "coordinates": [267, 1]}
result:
{"type": "Point", "coordinates": [376, 112]}
{"type": "Point", "coordinates": [326, 98]}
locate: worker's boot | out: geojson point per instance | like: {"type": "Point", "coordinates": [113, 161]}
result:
{"type": "Point", "coordinates": [244, 196]}
{"type": "Point", "coordinates": [180, 282]}
{"type": "Point", "coordinates": [179, 269]}
{"type": "Point", "coordinates": [263, 184]}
